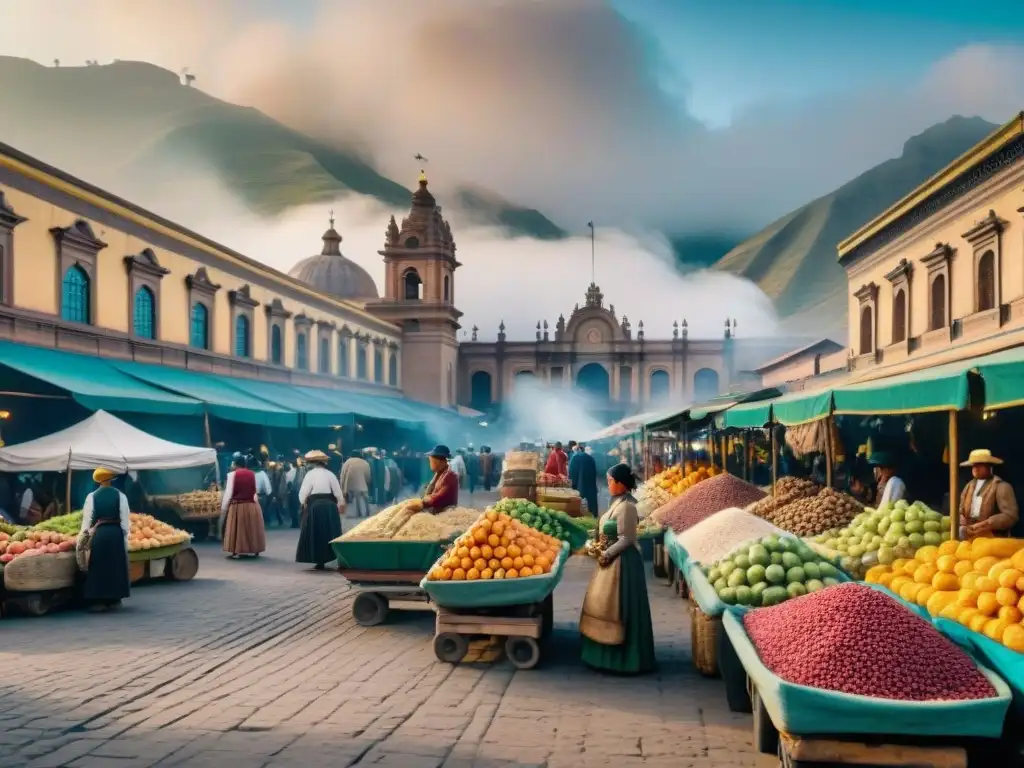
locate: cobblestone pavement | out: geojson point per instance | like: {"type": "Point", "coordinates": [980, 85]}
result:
{"type": "Point", "coordinates": [259, 663]}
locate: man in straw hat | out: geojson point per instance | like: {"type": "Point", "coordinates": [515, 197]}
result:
{"type": "Point", "coordinates": [105, 518]}
{"type": "Point", "coordinates": [988, 505]}
{"type": "Point", "coordinates": [322, 505]}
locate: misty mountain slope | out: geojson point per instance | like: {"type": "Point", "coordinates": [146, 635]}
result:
{"type": "Point", "coordinates": [794, 259]}
{"type": "Point", "coordinates": [128, 120]}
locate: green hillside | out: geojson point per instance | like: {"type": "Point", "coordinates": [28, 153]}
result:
{"type": "Point", "coordinates": [794, 259]}
{"type": "Point", "coordinates": [128, 120]}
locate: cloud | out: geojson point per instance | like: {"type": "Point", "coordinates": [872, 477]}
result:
{"type": "Point", "coordinates": [558, 104]}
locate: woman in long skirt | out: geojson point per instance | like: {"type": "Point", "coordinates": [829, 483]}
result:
{"type": "Point", "coordinates": [618, 635]}
{"type": "Point", "coordinates": [322, 505]}
{"type": "Point", "coordinates": [106, 515]}
{"type": "Point", "coordinates": [244, 533]}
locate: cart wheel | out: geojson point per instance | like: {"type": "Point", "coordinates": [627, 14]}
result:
{"type": "Point", "coordinates": [523, 652]}
{"type": "Point", "coordinates": [183, 566]}
{"type": "Point", "coordinates": [766, 737]}
{"type": "Point", "coordinates": [450, 647]}
{"type": "Point", "coordinates": [36, 605]}
{"type": "Point", "coordinates": [369, 609]}
{"type": "Point", "coordinates": [547, 616]}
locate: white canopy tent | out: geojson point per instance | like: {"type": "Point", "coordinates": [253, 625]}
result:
{"type": "Point", "coordinates": [101, 440]}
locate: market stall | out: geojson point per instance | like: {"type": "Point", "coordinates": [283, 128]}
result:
{"type": "Point", "coordinates": [102, 440]}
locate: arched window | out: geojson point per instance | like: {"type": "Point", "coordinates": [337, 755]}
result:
{"type": "Point", "coordinates": [447, 288]}
{"type": "Point", "coordinates": [324, 357]}
{"type": "Point", "coordinates": [75, 299]}
{"type": "Point", "coordinates": [867, 328]}
{"type": "Point", "coordinates": [937, 318]}
{"type": "Point", "coordinates": [361, 361]}
{"type": "Point", "coordinates": [660, 385]}
{"type": "Point", "coordinates": [144, 320]}
{"type": "Point", "coordinates": [412, 242]}
{"type": "Point", "coordinates": [378, 365]}
{"type": "Point", "coordinates": [199, 334]}
{"type": "Point", "coordinates": [899, 317]}
{"type": "Point", "coordinates": [987, 281]}
{"type": "Point", "coordinates": [705, 384]}
{"type": "Point", "coordinates": [276, 345]}
{"type": "Point", "coordinates": [413, 285]}
{"type": "Point", "coordinates": [243, 345]}
{"type": "Point", "coordinates": [344, 347]}
{"type": "Point", "coordinates": [301, 353]}
{"type": "Point", "coordinates": [393, 368]}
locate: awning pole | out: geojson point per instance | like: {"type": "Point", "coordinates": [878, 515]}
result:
{"type": "Point", "coordinates": [711, 444]}
{"type": "Point", "coordinates": [954, 479]}
{"type": "Point", "coordinates": [682, 439]}
{"type": "Point", "coordinates": [828, 452]}
{"type": "Point", "coordinates": [746, 455]}
{"type": "Point", "coordinates": [724, 462]}
{"type": "Point", "coordinates": [645, 449]}
{"type": "Point", "coordinates": [67, 488]}
{"type": "Point", "coordinates": [775, 458]}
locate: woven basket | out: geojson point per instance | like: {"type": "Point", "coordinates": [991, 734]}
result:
{"type": "Point", "coordinates": [519, 492]}
{"type": "Point", "coordinates": [704, 641]}
{"type": "Point", "coordinates": [39, 573]}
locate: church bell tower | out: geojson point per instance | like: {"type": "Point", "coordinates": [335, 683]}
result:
{"type": "Point", "coordinates": [419, 297]}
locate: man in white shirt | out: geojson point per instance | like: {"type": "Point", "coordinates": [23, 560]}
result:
{"type": "Point", "coordinates": [891, 488]}
{"type": "Point", "coordinates": [355, 483]}
{"type": "Point", "coordinates": [458, 466]}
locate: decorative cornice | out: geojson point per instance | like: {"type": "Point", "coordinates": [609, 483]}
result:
{"type": "Point", "coordinates": [276, 309]}
{"type": "Point", "coordinates": [242, 297]}
{"type": "Point", "coordinates": [326, 325]}
{"type": "Point", "coordinates": [939, 257]}
{"type": "Point", "coordinates": [901, 271]}
{"type": "Point", "coordinates": [8, 218]}
{"type": "Point", "coordinates": [147, 263]}
{"type": "Point", "coordinates": [200, 281]}
{"type": "Point", "coordinates": [867, 292]}
{"type": "Point", "coordinates": [302, 320]}
{"type": "Point", "coordinates": [990, 225]}
{"type": "Point", "coordinates": [80, 236]}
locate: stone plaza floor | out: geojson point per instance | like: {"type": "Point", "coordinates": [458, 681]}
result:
{"type": "Point", "coordinates": [259, 663]}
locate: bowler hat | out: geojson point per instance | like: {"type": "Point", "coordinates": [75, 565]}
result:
{"type": "Point", "coordinates": [440, 452]}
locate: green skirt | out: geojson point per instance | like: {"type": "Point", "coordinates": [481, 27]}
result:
{"type": "Point", "coordinates": [636, 654]}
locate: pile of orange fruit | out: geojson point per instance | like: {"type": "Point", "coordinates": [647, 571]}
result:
{"type": "Point", "coordinates": [679, 478]}
{"type": "Point", "coordinates": [497, 546]}
{"type": "Point", "coordinates": [978, 583]}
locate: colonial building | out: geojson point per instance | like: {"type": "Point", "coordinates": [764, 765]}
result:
{"type": "Point", "coordinates": [86, 271]}
{"type": "Point", "coordinates": [939, 276]}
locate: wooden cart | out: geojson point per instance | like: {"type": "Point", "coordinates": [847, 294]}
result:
{"type": "Point", "coordinates": [522, 628]}
{"type": "Point", "coordinates": [178, 562]}
{"type": "Point", "coordinates": [200, 517]}
{"type": "Point", "coordinates": [380, 592]}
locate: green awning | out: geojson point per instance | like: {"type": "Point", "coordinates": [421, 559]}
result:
{"type": "Point", "coordinates": [223, 399]}
{"type": "Point", "coordinates": [747, 415]}
{"type": "Point", "coordinates": [317, 410]}
{"type": "Point", "coordinates": [94, 382]}
{"type": "Point", "coordinates": [942, 388]}
{"type": "Point", "coordinates": [1003, 373]}
{"type": "Point", "coordinates": [798, 408]}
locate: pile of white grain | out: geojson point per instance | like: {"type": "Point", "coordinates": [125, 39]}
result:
{"type": "Point", "coordinates": [712, 539]}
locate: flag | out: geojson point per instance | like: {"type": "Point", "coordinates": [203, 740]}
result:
{"type": "Point", "coordinates": [590, 224]}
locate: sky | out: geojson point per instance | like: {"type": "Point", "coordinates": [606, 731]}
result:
{"type": "Point", "coordinates": [649, 117]}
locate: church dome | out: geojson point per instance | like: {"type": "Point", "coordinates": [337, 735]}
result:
{"type": "Point", "coordinates": [331, 273]}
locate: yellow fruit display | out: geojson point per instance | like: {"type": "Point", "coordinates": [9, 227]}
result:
{"type": "Point", "coordinates": [149, 533]}
{"type": "Point", "coordinates": [977, 583]}
{"type": "Point", "coordinates": [497, 546]}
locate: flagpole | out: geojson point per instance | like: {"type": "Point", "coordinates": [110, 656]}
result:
{"type": "Point", "coordinates": [593, 271]}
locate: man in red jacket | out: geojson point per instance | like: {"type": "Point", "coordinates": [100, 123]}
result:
{"type": "Point", "coordinates": [558, 462]}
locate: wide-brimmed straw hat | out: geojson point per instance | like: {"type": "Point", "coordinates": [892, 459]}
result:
{"type": "Point", "coordinates": [981, 456]}
{"type": "Point", "coordinates": [317, 456]}
{"type": "Point", "coordinates": [104, 475]}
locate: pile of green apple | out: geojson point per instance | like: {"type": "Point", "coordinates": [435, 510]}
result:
{"type": "Point", "coordinates": [769, 571]}
{"type": "Point", "coordinates": [880, 536]}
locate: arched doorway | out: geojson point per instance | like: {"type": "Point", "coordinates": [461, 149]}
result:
{"type": "Point", "coordinates": [480, 391]}
{"type": "Point", "coordinates": [593, 379]}
{"type": "Point", "coordinates": [660, 386]}
{"type": "Point", "coordinates": [705, 384]}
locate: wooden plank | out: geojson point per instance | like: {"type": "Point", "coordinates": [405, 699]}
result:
{"type": "Point", "coordinates": [495, 627]}
{"type": "Point", "coordinates": [382, 577]}
{"type": "Point", "coordinates": [815, 750]}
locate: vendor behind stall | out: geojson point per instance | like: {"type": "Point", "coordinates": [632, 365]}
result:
{"type": "Point", "coordinates": [890, 488]}
{"type": "Point", "coordinates": [988, 505]}
{"type": "Point", "coordinates": [443, 489]}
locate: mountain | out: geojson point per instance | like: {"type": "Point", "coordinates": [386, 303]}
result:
{"type": "Point", "coordinates": [134, 120]}
{"type": "Point", "coordinates": [794, 259]}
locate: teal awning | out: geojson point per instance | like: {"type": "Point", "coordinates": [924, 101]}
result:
{"type": "Point", "coordinates": [223, 399]}
{"type": "Point", "coordinates": [747, 415]}
{"type": "Point", "coordinates": [1003, 373]}
{"type": "Point", "coordinates": [317, 410]}
{"type": "Point", "coordinates": [797, 408]}
{"type": "Point", "coordinates": [942, 388]}
{"type": "Point", "coordinates": [94, 382]}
